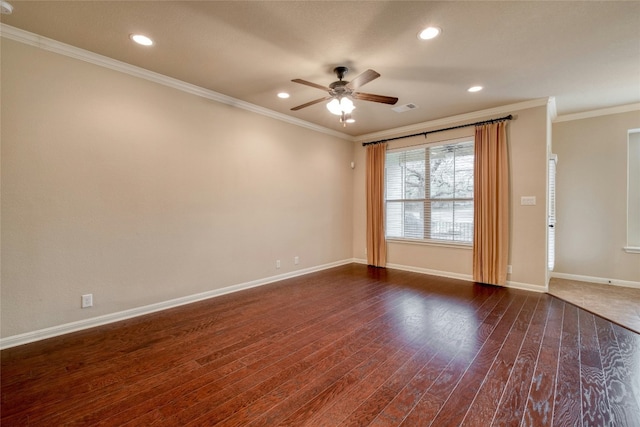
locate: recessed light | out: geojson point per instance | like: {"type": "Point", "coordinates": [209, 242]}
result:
{"type": "Point", "coordinates": [474, 89]}
{"type": "Point", "coordinates": [142, 40]}
{"type": "Point", "coordinates": [429, 33]}
{"type": "Point", "coordinates": [283, 95]}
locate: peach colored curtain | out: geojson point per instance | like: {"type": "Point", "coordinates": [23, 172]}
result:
{"type": "Point", "coordinates": [376, 243]}
{"type": "Point", "coordinates": [491, 205]}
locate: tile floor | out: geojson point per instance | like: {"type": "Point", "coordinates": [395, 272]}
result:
{"type": "Point", "coordinates": [616, 303]}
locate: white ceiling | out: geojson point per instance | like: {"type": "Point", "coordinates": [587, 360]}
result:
{"type": "Point", "coordinates": [584, 53]}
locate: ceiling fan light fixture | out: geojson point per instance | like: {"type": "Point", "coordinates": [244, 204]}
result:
{"type": "Point", "coordinates": [334, 107]}
{"type": "Point", "coordinates": [346, 105]}
{"type": "Point", "coordinates": [340, 106]}
{"type": "Point", "coordinates": [429, 33]}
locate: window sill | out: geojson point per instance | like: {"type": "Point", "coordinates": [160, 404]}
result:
{"type": "Point", "coordinates": [632, 249]}
{"type": "Point", "coordinates": [455, 245]}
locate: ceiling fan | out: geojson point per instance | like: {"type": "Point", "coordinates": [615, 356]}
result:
{"type": "Point", "coordinates": [341, 91]}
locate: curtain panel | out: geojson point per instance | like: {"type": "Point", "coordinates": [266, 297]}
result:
{"type": "Point", "coordinates": [491, 205]}
{"type": "Point", "coordinates": [376, 242]}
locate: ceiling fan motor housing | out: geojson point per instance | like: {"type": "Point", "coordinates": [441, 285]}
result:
{"type": "Point", "coordinates": [341, 72]}
{"type": "Point", "coordinates": [338, 88]}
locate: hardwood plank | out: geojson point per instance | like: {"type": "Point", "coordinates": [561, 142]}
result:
{"type": "Point", "coordinates": [361, 323]}
{"type": "Point", "coordinates": [567, 404]}
{"type": "Point", "coordinates": [408, 397]}
{"type": "Point", "coordinates": [283, 387]}
{"type": "Point", "coordinates": [489, 375]}
{"type": "Point", "coordinates": [381, 362]}
{"type": "Point", "coordinates": [516, 391]}
{"type": "Point", "coordinates": [438, 354]}
{"type": "Point", "coordinates": [259, 369]}
{"type": "Point", "coordinates": [625, 410]}
{"type": "Point", "coordinates": [488, 399]}
{"type": "Point", "coordinates": [440, 391]}
{"type": "Point", "coordinates": [629, 345]}
{"type": "Point", "coordinates": [305, 393]}
{"type": "Point", "coordinates": [387, 391]}
{"type": "Point", "coordinates": [352, 345]}
{"type": "Point", "coordinates": [540, 403]}
{"type": "Point", "coordinates": [595, 402]}
{"type": "Point", "coordinates": [294, 401]}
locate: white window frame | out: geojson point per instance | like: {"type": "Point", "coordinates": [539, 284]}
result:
{"type": "Point", "coordinates": [429, 241]}
{"type": "Point", "coordinates": [633, 192]}
{"type": "Point", "coordinates": [551, 214]}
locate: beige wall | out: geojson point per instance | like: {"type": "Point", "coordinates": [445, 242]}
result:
{"type": "Point", "coordinates": [139, 193]}
{"type": "Point", "coordinates": [591, 197]}
{"type": "Point", "coordinates": [528, 165]}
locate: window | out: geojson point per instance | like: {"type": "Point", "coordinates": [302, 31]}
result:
{"type": "Point", "coordinates": [633, 192]}
{"type": "Point", "coordinates": [429, 192]}
{"type": "Point", "coordinates": [551, 203]}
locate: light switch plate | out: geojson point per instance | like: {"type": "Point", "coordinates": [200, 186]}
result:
{"type": "Point", "coordinates": [528, 200]}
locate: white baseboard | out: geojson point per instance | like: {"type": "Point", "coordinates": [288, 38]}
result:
{"type": "Point", "coordinates": [526, 286]}
{"type": "Point", "coordinates": [600, 280]}
{"type": "Point", "coordinates": [54, 331]}
{"type": "Point", "coordinates": [28, 337]}
{"type": "Point", "coordinates": [431, 272]}
{"type": "Point", "coordinates": [460, 276]}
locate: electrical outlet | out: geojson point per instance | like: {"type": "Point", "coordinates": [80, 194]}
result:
{"type": "Point", "coordinates": [509, 269]}
{"type": "Point", "coordinates": [296, 260]}
{"type": "Point", "coordinates": [87, 300]}
{"type": "Point", "coordinates": [277, 263]}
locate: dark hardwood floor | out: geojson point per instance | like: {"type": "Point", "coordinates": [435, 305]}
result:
{"type": "Point", "coordinates": [350, 346]}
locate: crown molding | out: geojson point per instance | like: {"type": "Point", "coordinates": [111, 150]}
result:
{"type": "Point", "coordinates": [476, 115]}
{"type": "Point", "coordinates": [552, 110]}
{"type": "Point", "coordinates": [60, 48]}
{"type": "Point", "coordinates": [597, 113]}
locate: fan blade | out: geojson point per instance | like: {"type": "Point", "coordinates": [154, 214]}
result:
{"type": "Point", "coordinates": [299, 107]}
{"type": "Point", "coordinates": [362, 79]}
{"type": "Point", "coordinates": [317, 86]}
{"type": "Point", "coordinates": [374, 98]}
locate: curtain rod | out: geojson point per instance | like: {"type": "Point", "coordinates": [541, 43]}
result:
{"type": "Point", "coordinates": [484, 122]}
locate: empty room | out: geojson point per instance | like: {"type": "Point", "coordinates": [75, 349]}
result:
{"type": "Point", "coordinates": [320, 213]}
